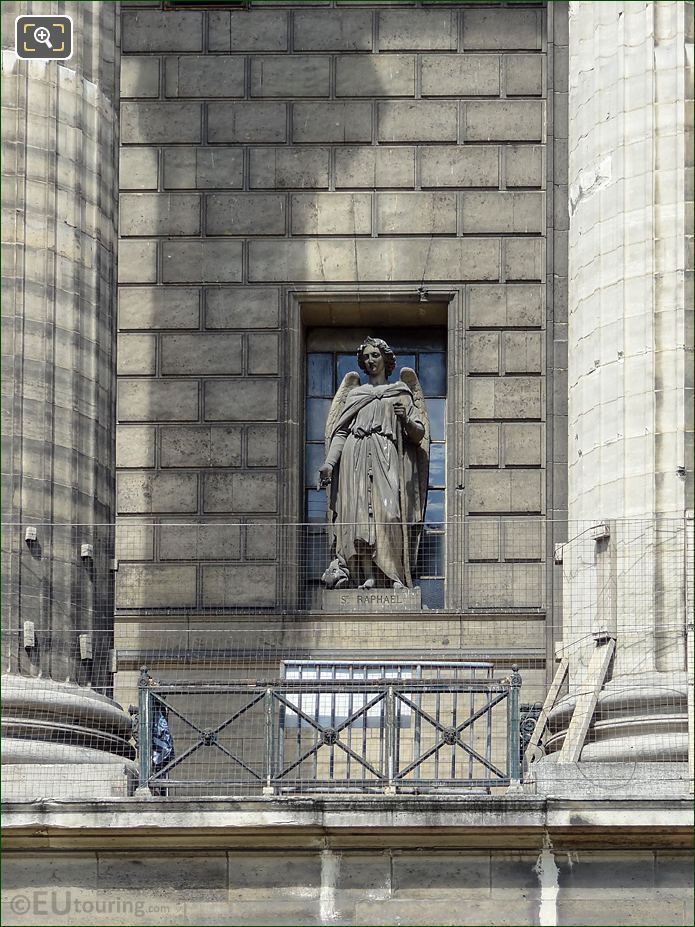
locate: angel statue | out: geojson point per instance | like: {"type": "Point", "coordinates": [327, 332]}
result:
{"type": "Point", "coordinates": [376, 471]}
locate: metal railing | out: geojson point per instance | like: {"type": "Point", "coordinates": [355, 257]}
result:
{"type": "Point", "coordinates": [382, 735]}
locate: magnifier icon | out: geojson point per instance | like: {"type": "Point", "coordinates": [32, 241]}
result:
{"type": "Point", "coordinates": [43, 35]}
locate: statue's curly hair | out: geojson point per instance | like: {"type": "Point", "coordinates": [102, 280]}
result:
{"type": "Point", "coordinates": [386, 352]}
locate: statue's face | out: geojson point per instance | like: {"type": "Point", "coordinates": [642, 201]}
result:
{"type": "Point", "coordinates": [373, 360]}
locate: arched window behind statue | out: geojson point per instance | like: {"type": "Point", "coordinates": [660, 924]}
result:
{"type": "Point", "coordinates": [325, 369]}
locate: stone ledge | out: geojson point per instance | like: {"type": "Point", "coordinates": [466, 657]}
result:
{"type": "Point", "coordinates": [370, 821]}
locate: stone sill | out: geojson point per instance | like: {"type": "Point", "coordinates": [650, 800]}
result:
{"type": "Point", "coordinates": [506, 822]}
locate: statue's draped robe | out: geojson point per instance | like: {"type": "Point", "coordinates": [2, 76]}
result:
{"type": "Point", "coordinates": [365, 495]}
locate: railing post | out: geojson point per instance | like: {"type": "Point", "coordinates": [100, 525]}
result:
{"type": "Point", "coordinates": [390, 788]}
{"type": "Point", "coordinates": [514, 731]}
{"type": "Point", "coordinates": [144, 734]}
{"type": "Point", "coordinates": [268, 788]}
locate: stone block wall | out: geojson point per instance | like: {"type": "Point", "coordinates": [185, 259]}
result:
{"type": "Point", "coordinates": [321, 149]}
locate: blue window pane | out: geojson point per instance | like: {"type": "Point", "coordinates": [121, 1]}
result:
{"type": "Point", "coordinates": [316, 415]}
{"type": "Point", "coordinates": [436, 409]}
{"type": "Point", "coordinates": [404, 360]}
{"type": "Point", "coordinates": [431, 554]}
{"type": "Point", "coordinates": [437, 466]}
{"type": "Point", "coordinates": [319, 375]}
{"type": "Point", "coordinates": [347, 363]}
{"type": "Point", "coordinates": [435, 507]}
{"type": "Point", "coordinates": [314, 458]}
{"type": "Point", "coordinates": [432, 374]}
{"type": "Point", "coordinates": [316, 505]}
{"type": "Point", "coordinates": [432, 591]}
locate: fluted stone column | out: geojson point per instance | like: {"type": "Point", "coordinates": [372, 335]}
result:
{"type": "Point", "coordinates": [630, 365]}
{"type": "Point", "coordinates": [60, 138]}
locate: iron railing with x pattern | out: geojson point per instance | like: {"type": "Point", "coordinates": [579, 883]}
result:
{"type": "Point", "coordinates": [300, 736]}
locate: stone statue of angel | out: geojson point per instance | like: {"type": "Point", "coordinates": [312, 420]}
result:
{"type": "Point", "coordinates": [376, 472]}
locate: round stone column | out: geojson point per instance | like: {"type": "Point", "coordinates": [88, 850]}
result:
{"type": "Point", "coordinates": [630, 354]}
{"type": "Point", "coordinates": [60, 138]}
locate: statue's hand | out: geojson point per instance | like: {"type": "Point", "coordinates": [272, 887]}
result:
{"type": "Point", "coordinates": [325, 475]}
{"type": "Point", "coordinates": [400, 411]}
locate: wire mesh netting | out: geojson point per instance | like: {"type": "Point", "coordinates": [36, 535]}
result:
{"type": "Point", "coordinates": [279, 684]}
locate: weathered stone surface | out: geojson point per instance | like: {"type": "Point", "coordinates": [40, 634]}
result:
{"type": "Point", "coordinates": [142, 492]}
{"type": "Point", "coordinates": [204, 76]}
{"type": "Point", "coordinates": [201, 446]}
{"type": "Point", "coordinates": [483, 539]}
{"type": "Point", "coordinates": [523, 541]}
{"type": "Point", "coordinates": [263, 30]}
{"type": "Point", "coordinates": [523, 352]}
{"type": "Point", "coordinates": [503, 120]}
{"type": "Point", "coordinates": [156, 123]}
{"type": "Point", "coordinates": [424, 213]}
{"type": "Point", "coordinates": [522, 444]}
{"type": "Point", "coordinates": [503, 212]}
{"type": "Point", "coordinates": [460, 75]}
{"type": "Point", "coordinates": [519, 306]}
{"type": "Point", "coordinates": [159, 214]}
{"type": "Point", "coordinates": [135, 445]}
{"type": "Point", "coordinates": [290, 76]}
{"type": "Point", "coordinates": [240, 492]}
{"type": "Point", "coordinates": [261, 539]}
{"type": "Point", "coordinates": [138, 168]}
{"type": "Point", "coordinates": [332, 122]}
{"type": "Point", "coordinates": [134, 540]}
{"type": "Point", "coordinates": [139, 77]}
{"type": "Point", "coordinates": [374, 167]}
{"type": "Point", "coordinates": [504, 491]}
{"type": "Point", "coordinates": [210, 261]}
{"type": "Point", "coordinates": [508, 397]}
{"type": "Point", "coordinates": [262, 353]}
{"type": "Point", "coordinates": [501, 28]}
{"type": "Point", "coordinates": [137, 354]}
{"type": "Point", "coordinates": [261, 446]}
{"type": "Point", "coordinates": [158, 307]}
{"type": "Point", "coordinates": [417, 121]}
{"type": "Point", "coordinates": [246, 214]}
{"type": "Point", "coordinates": [366, 76]}
{"type": "Point", "coordinates": [137, 261]}
{"type": "Point", "coordinates": [157, 400]}
{"type": "Point", "coordinates": [241, 307]}
{"type": "Point", "coordinates": [340, 30]}
{"type": "Point", "coordinates": [524, 75]}
{"type": "Point", "coordinates": [524, 165]}
{"type": "Point", "coordinates": [483, 352]}
{"type": "Point", "coordinates": [459, 167]}
{"type": "Point", "coordinates": [332, 214]}
{"type": "Point", "coordinates": [417, 29]}
{"type": "Point", "coordinates": [483, 445]}
{"type": "Point", "coordinates": [241, 400]}
{"type": "Point", "coordinates": [379, 259]}
{"type": "Point", "coordinates": [288, 167]}
{"type": "Point", "coordinates": [203, 168]}
{"type": "Point", "coordinates": [155, 31]}
{"type": "Point", "coordinates": [201, 354]}
{"type": "Point", "coordinates": [240, 123]}
{"type": "Point", "coordinates": [499, 585]}
{"type": "Point", "coordinates": [204, 541]}
{"type": "Point", "coordinates": [523, 259]}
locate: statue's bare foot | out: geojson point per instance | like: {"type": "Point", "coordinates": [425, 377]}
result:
{"type": "Point", "coordinates": [398, 585]}
{"type": "Point", "coordinates": [368, 583]}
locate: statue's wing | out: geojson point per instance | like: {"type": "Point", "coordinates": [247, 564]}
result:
{"type": "Point", "coordinates": [410, 378]}
{"type": "Point", "coordinates": [350, 381]}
